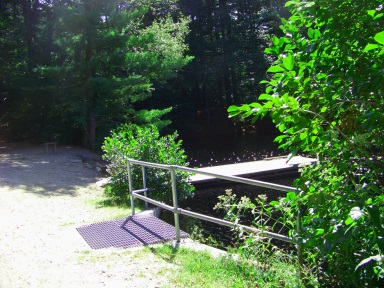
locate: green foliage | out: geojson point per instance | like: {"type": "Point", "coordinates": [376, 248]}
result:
{"type": "Point", "coordinates": [277, 217]}
{"type": "Point", "coordinates": [115, 60]}
{"type": "Point", "coordinates": [82, 67]}
{"type": "Point", "coordinates": [201, 269]}
{"type": "Point", "coordinates": [326, 97]}
{"type": "Point", "coordinates": [145, 144]}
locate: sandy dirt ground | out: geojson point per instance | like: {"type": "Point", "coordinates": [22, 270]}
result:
{"type": "Point", "coordinates": [44, 197]}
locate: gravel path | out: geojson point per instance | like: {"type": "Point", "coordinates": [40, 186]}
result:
{"type": "Point", "coordinates": [43, 199]}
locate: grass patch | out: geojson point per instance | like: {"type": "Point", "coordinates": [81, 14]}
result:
{"type": "Point", "coordinates": [108, 257]}
{"type": "Point", "coordinates": [68, 224]}
{"type": "Point", "coordinates": [108, 210]}
{"type": "Point", "coordinates": [200, 269]}
{"type": "Point", "coordinates": [185, 267]}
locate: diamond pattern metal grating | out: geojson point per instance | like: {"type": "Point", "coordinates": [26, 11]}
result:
{"type": "Point", "coordinates": [137, 230]}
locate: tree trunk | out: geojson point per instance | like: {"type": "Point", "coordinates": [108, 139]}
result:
{"type": "Point", "coordinates": [29, 26]}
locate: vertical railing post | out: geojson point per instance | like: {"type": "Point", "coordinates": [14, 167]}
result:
{"type": "Point", "coordinates": [175, 204]}
{"type": "Point", "coordinates": [299, 246]}
{"type": "Point", "coordinates": [145, 185]}
{"type": "Point", "coordinates": [130, 187]}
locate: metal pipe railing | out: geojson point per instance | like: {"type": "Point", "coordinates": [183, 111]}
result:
{"type": "Point", "coordinates": [175, 204]}
{"type": "Point", "coordinates": [130, 187]}
{"type": "Point", "coordinates": [145, 184]}
{"type": "Point", "coordinates": [234, 225]}
{"type": "Point", "coordinates": [215, 175]}
{"type": "Point", "coordinates": [176, 210]}
{"type": "Point", "coordinates": [154, 202]}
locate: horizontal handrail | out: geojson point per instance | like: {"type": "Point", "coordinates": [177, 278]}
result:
{"type": "Point", "coordinates": [141, 190]}
{"type": "Point", "coordinates": [154, 202]}
{"type": "Point", "coordinates": [234, 225]}
{"type": "Point", "coordinates": [215, 175]}
{"type": "Point", "coordinates": [215, 220]}
{"type": "Point", "coordinates": [176, 210]}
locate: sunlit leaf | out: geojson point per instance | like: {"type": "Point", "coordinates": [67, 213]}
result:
{"type": "Point", "coordinates": [280, 138]}
{"type": "Point", "coordinates": [265, 97]}
{"type": "Point", "coordinates": [370, 47]}
{"type": "Point", "coordinates": [233, 108]}
{"type": "Point", "coordinates": [244, 107]}
{"type": "Point", "coordinates": [256, 105]}
{"type": "Point", "coordinates": [349, 221]}
{"type": "Point", "coordinates": [310, 32]}
{"type": "Point", "coordinates": [274, 69]}
{"type": "Point", "coordinates": [281, 127]}
{"type": "Point", "coordinates": [303, 135]}
{"type": "Point", "coordinates": [275, 40]}
{"type": "Point", "coordinates": [371, 12]}
{"type": "Point", "coordinates": [379, 37]}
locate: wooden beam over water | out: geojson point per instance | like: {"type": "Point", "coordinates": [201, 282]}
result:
{"type": "Point", "coordinates": [267, 166]}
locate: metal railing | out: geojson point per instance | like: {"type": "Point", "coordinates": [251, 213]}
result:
{"type": "Point", "coordinates": [177, 211]}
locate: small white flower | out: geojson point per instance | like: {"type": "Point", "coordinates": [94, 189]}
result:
{"type": "Point", "coordinates": [356, 213]}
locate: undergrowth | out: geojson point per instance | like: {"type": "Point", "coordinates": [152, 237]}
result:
{"type": "Point", "coordinates": [201, 269]}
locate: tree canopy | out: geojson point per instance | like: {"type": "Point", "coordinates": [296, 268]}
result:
{"type": "Point", "coordinates": [73, 70]}
{"type": "Point", "coordinates": [227, 40]}
{"type": "Point", "coordinates": [85, 64]}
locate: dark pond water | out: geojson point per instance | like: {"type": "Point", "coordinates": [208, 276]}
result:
{"type": "Point", "coordinates": [212, 151]}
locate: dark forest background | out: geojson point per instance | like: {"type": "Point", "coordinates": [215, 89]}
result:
{"type": "Point", "coordinates": [73, 70]}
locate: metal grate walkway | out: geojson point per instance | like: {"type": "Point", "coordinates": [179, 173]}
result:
{"type": "Point", "coordinates": [137, 230]}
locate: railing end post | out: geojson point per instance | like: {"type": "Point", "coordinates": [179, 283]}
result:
{"type": "Point", "coordinates": [130, 187]}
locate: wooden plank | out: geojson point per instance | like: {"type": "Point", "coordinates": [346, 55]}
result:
{"type": "Point", "coordinates": [268, 165]}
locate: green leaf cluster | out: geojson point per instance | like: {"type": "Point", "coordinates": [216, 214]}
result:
{"type": "Point", "coordinates": [325, 96]}
{"type": "Point", "coordinates": [275, 216]}
{"type": "Point", "coordinates": [145, 144]}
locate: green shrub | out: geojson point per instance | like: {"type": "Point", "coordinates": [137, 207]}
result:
{"type": "Point", "coordinates": [145, 144]}
{"type": "Point", "coordinates": [325, 95]}
{"type": "Point", "coordinates": [277, 216]}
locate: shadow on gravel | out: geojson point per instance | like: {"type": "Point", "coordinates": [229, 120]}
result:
{"type": "Point", "coordinates": [47, 174]}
